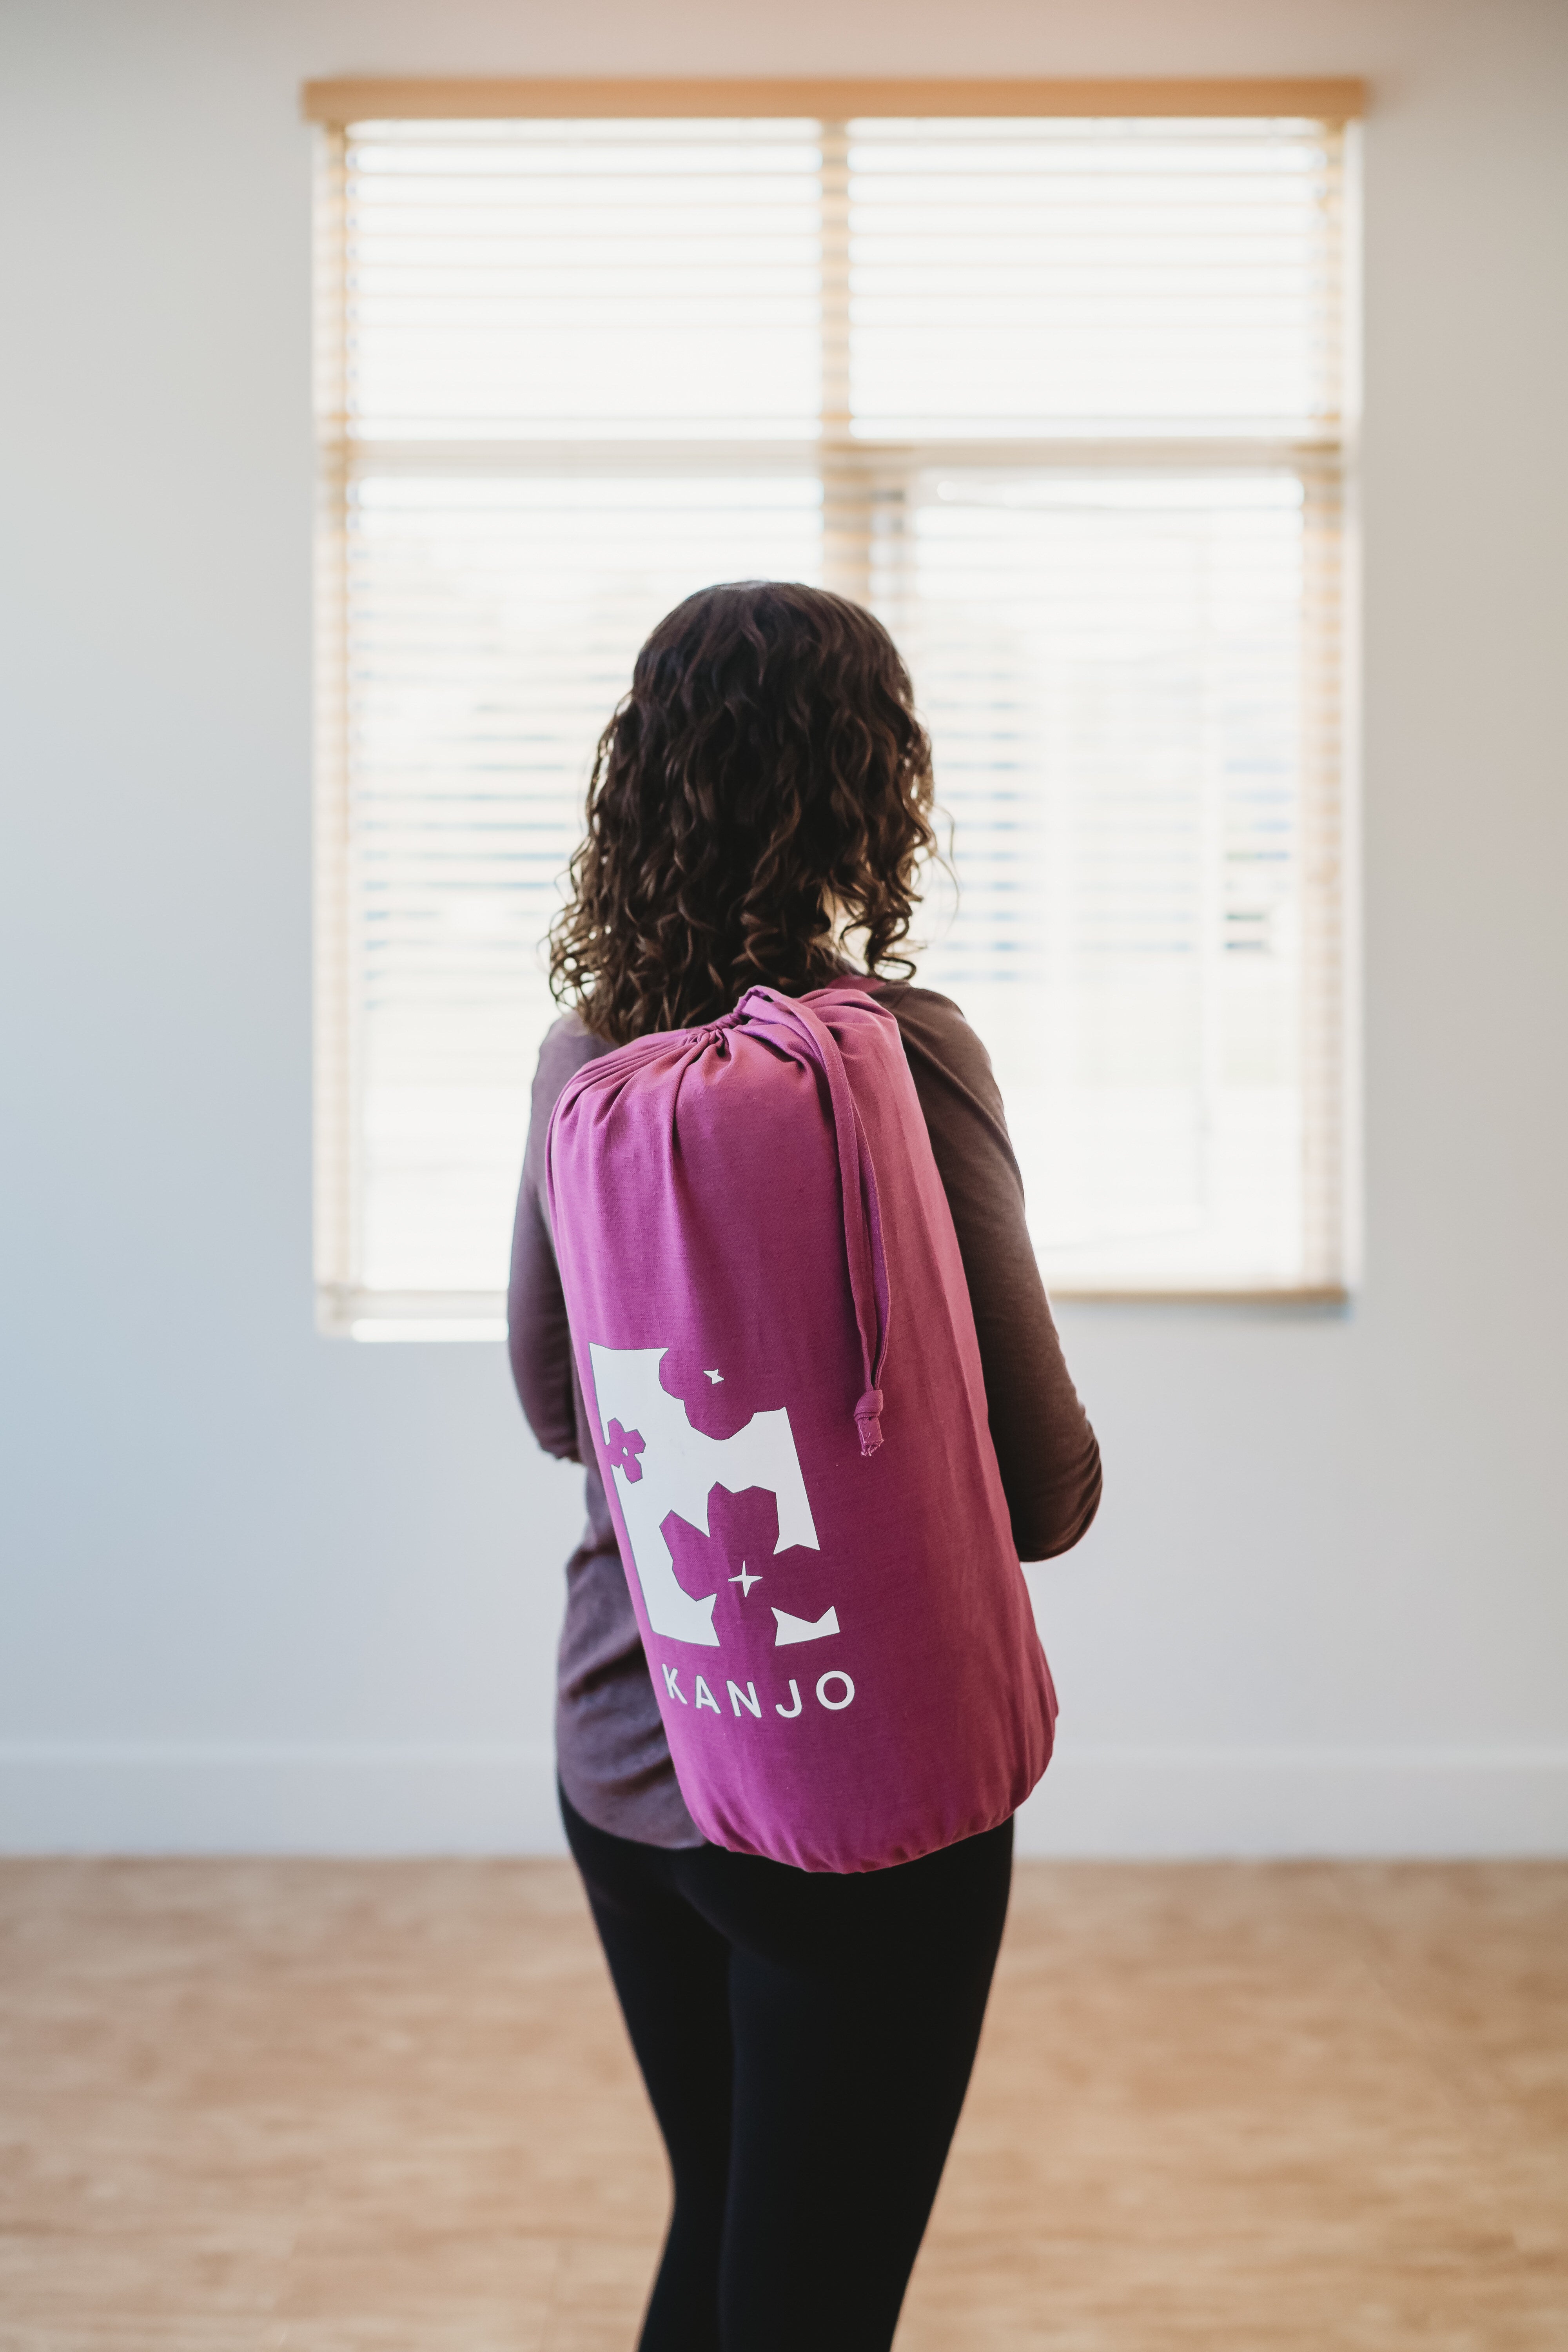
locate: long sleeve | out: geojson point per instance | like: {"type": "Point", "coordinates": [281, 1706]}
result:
{"type": "Point", "coordinates": [1045, 1449]}
{"type": "Point", "coordinates": [538, 1339]}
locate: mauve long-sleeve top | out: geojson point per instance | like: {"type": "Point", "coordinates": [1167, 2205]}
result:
{"type": "Point", "coordinates": [614, 1760]}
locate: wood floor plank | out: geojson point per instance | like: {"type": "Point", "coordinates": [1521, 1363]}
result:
{"type": "Point", "coordinates": [389, 2107]}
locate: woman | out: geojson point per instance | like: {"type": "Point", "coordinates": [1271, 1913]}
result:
{"type": "Point", "coordinates": [761, 799]}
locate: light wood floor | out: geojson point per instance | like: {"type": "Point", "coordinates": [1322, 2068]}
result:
{"type": "Point", "coordinates": [388, 2107]}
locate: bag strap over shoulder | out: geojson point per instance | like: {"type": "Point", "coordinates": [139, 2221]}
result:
{"type": "Point", "coordinates": [795, 1028]}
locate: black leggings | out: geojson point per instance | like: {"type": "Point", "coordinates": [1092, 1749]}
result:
{"type": "Point", "coordinates": [806, 2041]}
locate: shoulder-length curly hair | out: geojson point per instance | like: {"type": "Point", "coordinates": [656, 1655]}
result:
{"type": "Point", "coordinates": [762, 793]}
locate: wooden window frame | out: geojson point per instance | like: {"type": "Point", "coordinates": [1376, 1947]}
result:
{"type": "Point", "coordinates": [1336, 99]}
{"type": "Point", "coordinates": [334, 104]}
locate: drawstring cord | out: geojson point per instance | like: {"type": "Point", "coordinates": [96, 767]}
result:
{"type": "Point", "coordinates": [863, 1243]}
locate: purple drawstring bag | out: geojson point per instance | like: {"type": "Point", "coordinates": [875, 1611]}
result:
{"type": "Point", "coordinates": [775, 1339]}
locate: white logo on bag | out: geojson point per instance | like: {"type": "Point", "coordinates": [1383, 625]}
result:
{"type": "Point", "coordinates": [747, 1699]}
{"type": "Point", "coordinates": [660, 1464]}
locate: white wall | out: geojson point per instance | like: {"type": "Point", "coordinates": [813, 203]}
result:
{"type": "Point", "coordinates": [262, 1588]}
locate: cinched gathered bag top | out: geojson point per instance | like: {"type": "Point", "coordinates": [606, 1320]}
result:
{"type": "Point", "coordinates": [775, 1339]}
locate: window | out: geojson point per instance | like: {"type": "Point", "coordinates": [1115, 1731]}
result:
{"type": "Point", "coordinates": [1057, 384]}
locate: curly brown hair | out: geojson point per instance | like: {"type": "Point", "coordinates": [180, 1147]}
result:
{"type": "Point", "coordinates": [763, 791]}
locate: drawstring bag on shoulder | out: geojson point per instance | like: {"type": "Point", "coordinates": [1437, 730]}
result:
{"type": "Point", "coordinates": [775, 1339]}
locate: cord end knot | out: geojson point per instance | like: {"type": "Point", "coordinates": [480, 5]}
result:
{"type": "Point", "coordinates": [868, 1421]}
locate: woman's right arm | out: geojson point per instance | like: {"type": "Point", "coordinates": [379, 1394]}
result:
{"type": "Point", "coordinates": [1045, 1450]}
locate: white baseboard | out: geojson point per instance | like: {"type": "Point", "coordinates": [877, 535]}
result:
{"type": "Point", "coordinates": [1111, 1804]}
{"type": "Point", "coordinates": [218, 1799]}
{"type": "Point", "coordinates": [1258, 1804]}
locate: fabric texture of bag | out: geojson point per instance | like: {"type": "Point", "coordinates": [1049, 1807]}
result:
{"type": "Point", "coordinates": [773, 1335]}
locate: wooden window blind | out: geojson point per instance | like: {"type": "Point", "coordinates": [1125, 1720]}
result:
{"type": "Point", "coordinates": [1056, 383]}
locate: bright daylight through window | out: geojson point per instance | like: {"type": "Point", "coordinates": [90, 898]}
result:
{"type": "Point", "coordinates": [1062, 399]}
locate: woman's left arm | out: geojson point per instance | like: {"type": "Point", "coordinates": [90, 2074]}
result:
{"type": "Point", "coordinates": [538, 1338]}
